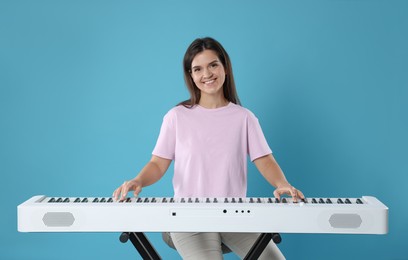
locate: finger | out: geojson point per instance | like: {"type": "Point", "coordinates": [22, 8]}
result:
{"type": "Point", "coordinates": [124, 189]}
{"type": "Point", "coordinates": [294, 194]}
{"type": "Point", "coordinates": [117, 192]}
{"type": "Point", "coordinates": [276, 194]}
{"type": "Point", "coordinates": [138, 189]}
{"type": "Point", "coordinates": [301, 194]}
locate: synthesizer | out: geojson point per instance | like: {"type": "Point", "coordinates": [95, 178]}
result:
{"type": "Point", "coordinates": [365, 215]}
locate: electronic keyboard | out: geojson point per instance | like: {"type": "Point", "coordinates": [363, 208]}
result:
{"type": "Point", "coordinates": [365, 215]}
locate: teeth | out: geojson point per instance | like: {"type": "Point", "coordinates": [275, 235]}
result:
{"type": "Point", "coordinates": [209, 82]}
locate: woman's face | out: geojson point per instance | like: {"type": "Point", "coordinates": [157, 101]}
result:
{"type": "Point", "coordinates": [208, 73]}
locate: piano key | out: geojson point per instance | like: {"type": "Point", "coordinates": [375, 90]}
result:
{"type": "Point", "coordinates": [77, 200]}
{"type": "Point", "coordinates": [84, 200]}
{"type": "Point", "coordinates": [51, 200]}
{"type": "Point", "coordinates": [197, 200]}
{"type": "Point", "coordinates": [277, 200]}
{"type": "Point", "coordinates": [284, 200]}
{"type": "Point", "coordinates": [321, 201]}
{"type": "Point", "coordinates": [328, 201]}
{"type": "Point", "coordinates": [102, 200]}
{"type": "Point", "coordinates": [358, 201]}
{"type": "Point", "coordinates": [348, 201]}
{"type": "Point", "coordinates": [110, 200]}
{"type": "Point", "coordinates": [59, 200]}
{"type": "Point", "coordinates": [95, 200]}
{"type": "Point", "coordinates": [314, 201]}
{"type": "Point", "coordinates": [340, 201]}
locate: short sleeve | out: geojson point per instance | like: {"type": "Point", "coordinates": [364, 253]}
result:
{"type": "Point", "coordinates": [257, 144]}
{"type": "Point", "coordinates": [166, 142]}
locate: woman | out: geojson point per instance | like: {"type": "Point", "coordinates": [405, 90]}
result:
{"type": "Point", "coordinates": [209, 137]}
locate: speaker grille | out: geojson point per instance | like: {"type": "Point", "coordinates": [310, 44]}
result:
{"type": "Point", "coordinates": [58, 219]}
{"type": "Point", "coordinates": [341, 220]}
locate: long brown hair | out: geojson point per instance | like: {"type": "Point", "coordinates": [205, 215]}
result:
{"type": "Point", "coordinates": [197, 46]}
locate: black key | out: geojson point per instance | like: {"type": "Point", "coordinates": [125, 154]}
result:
{"type": "Point", "coordinates": [207, 200]}
{"type": "Point", "coordinates": [270, 200]}
{"type": "Point", "coordinates": [146, 200]}
{"type": "Point", "coordinates": [314, 201]}
{"type": "Point", "coordinates": [277, 200]}
{"type": "Point", "coordinates": [59, 200]}
{"type": "Point", "coordinates": [103, 200]}
{"type": "Point", "coordinates": [348, 201]}
{"type": "Point", "coordinates": [171, 200]}
{"type": "Point", "coordinates": [51, 200]}
{"type": "Point", "coordinates": [321, 201]}
{"type": "Point", "coordinates": [95, 200]}
{"type": "Point", "coordinates": [226, 200]}
{"type": "Point", "coordinates": [284, 200]}
{"type": "Point", "coordinates": [328, 201]}
{"type": "Point", "coordinates": [358, 201]}
{"type": "Point", "coordinates": [84, 200]}
{"type": "Point", "coordinates": [183, 200]}
{"type": "Point", "coordinates": [304, 200]}
{"type": "Point", "coordinates": [240, 200]}
{"type": "Point", "coordinates": [233, 200]}
{"type": "Point", "coordinates": [215, 200]}
{"type": "Point", "coordinates": [66, 200]}
{"type": "Point", "coordinates": [197, 200]}
{"type": "Point", "coordinates": [139, 200]}
{"type": "Point", "coordinates": [340, 201]}
{"type": "Point", "coordinates": [190, 200]}
{"type": "Point", "coordinates": [259, 200]}
{"type": "Point", "coordinates": [110, 200]}
{"type": "Point", "coordinates": [251, 200]}
{"type": "Point", "coordinates": [164, 200]}
{"type": "Point", "coordinates": [77, 200]}
{"type": "Point", "coordinates": [154, 200]}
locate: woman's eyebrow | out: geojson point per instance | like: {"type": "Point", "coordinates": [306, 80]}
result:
{"type": "Point", "coordinates": [198, 66]}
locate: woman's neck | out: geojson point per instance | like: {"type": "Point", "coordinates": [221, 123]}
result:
{"type": "Point", "coordinates": [213, 103]}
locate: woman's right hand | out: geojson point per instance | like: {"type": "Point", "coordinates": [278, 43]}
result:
{"type": "Point", "coordinates": [121, 192]}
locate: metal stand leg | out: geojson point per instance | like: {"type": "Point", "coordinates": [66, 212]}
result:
{"type": "Point", "coordinates": [141, 243]}
{"type": "Point", "coordinates": [260, 244]}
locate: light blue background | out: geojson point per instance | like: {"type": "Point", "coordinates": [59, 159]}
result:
{"type": "Point", "coordinates": [84, 86]}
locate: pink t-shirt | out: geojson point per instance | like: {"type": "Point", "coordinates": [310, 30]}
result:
{"type": "Point", "coordinates": [210, 148]}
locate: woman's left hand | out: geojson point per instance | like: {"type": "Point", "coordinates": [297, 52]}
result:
{"type": "Point", "coordinates": [289, 190]}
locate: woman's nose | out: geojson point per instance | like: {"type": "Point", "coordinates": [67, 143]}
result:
{"type": "Point", "coordinates": [207, 73]}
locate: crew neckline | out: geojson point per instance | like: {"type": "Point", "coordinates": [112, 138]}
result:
{"type": "Point", "coordinates": [214, 109]}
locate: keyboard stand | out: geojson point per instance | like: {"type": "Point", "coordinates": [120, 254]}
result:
{"type": "Point", "coordinates": [147, 251]}
{"type": "Point", "coordinates": [141, 243]}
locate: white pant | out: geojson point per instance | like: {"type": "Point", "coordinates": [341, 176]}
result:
{"type": "Point", "coordinates": [204, 246]}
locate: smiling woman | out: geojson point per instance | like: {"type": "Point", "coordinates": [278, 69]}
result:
{"type": "Point", "coordinates": [209, 137]}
